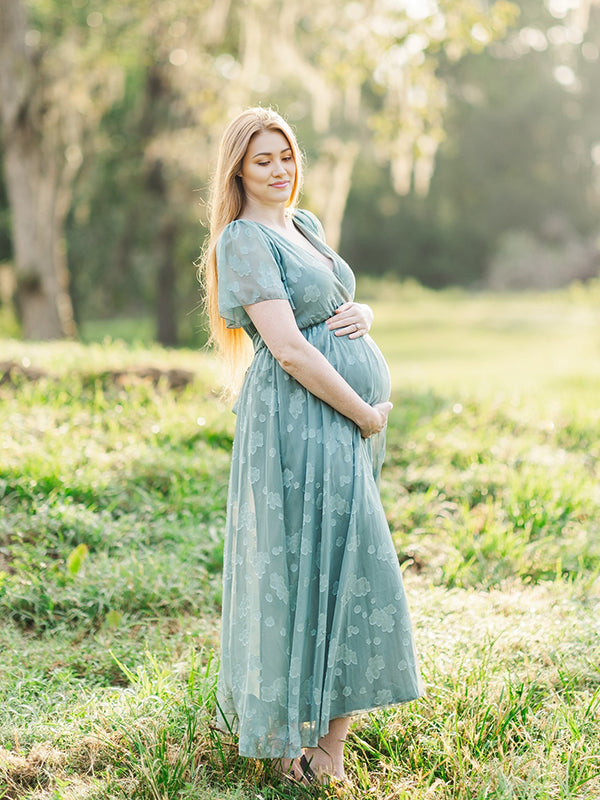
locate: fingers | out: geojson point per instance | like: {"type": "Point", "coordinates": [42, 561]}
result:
{"type": "Point", "coordinates": [352, 328]}
{"type": "Point", "coordinates": [385, 412]}
{"type": "Point", "coordinates": [343, 307]}
{"type": "Point", "coordinates": [383, 409]}
{"type": "Point", "coordinates": [349, 320]}
{"type": "Point", "coordinates": [366, 433]}
{"type": "Point", "coordinates": [342, 320]}
{"type": "Point", "coordinates": [377, 424]}
{"type": "Point", "coordinates": [352, 331]}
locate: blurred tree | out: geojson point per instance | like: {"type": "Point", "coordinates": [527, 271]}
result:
{"type": "Point", "coordinates": [156, 143]}
{"type": "Point", "coordinates": [198, 75]}
{"type": "Point", "coordinates": [521, 154]}
{"type": "Point", "coordinates": [35, 183]}
{"type": "Point", "coordinates": [358, 71]}
{"type": "Point", "coordinates": [53, 88]}
{"type": "Point", "coordinates": [5, 235]}
{"type": "Point", "coordinates": [354, 71]}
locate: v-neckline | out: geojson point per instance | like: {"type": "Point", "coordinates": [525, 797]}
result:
{"type": "Point", "coordinates": [311, 239]}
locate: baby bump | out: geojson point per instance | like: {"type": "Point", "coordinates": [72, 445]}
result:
{"type": "Point", "coordinates": [359, 361]}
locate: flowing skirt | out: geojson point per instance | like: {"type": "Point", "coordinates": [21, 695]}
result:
{"type": "Point", "coordinates": [315, 622]}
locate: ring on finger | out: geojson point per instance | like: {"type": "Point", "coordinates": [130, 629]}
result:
{"type": "Point", "coordinates": [356, 327]}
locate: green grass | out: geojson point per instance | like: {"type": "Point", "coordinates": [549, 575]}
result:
{"type": "Point", "coordinates": [112, 503]}
{"type": "Point", "coordinates": [135, 330]}
{"type": "Point", "coordinates": [140, 330]}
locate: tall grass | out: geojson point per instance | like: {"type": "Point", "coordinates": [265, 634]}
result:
{"type": "Point", "coordinates": [112, 497]}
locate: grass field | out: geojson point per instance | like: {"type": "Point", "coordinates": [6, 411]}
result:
{"type": "Point", "coordinates": [113, 481]}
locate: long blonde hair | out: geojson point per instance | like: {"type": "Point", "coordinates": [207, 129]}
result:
{"type": "Point", "coordinates": [226, 204]}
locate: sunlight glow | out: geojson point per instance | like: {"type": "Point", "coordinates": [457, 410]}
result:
{"type": "Point", "coordinates": [227, 66]}
{"type": "Point", "coordinates": [354, 11]}
{"type": "Point", "coordinates": [590, 51]}
{"type": "Point", "coordinates": [564, 75]}
{"type": "Point", "coordinates": [480, 33]}
{"type": "Point", "coordinates": [178, 57]}
{"type": "Point", "coordinates": [560, 8]}
{"type": "Point", "coordinates": [533, 38]}
{"type": "Point", "coordinates": [416, 9]}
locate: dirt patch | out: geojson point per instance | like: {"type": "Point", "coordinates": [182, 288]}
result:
{"type": "Point", "coordinates": [5, 561]}
{"type": "Point", "coordinates": [36, 769]}
{"type": "Point", "coordinates": [12, 373]}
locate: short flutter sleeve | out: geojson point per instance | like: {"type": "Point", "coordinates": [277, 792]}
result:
{"type": "Point", "coordinates": [248, 271]}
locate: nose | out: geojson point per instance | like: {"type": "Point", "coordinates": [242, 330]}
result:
{"type": "Point", "coordinates": [278, 167]}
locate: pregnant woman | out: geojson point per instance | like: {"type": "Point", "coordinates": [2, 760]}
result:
{"type": "Point", "coordinates": [315, 625]}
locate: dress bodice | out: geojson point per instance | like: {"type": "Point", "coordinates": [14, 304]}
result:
{"type": "Point", "coordinates": [257, 263]}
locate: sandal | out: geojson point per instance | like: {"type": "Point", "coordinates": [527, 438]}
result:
{"type": "Point", "coordinates": [308, 774]}
{"type": "Point", "coordinates": [307, 778]}
{"type": "Point", "coordinates": [310, 777]}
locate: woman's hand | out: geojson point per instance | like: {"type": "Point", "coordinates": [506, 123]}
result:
{"type": "Point", "coordinates": [351, 319]}
{"type": "Point", "coordinates": [377, 420]}
{"type": "Point", "coordinates": [274, 320]}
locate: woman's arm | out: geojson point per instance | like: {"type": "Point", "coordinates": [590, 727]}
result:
{"type": "Point", "coordinates": [275, 322]}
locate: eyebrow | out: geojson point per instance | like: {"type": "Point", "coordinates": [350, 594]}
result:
{"type": "Point", "coordinates": [285, 149]}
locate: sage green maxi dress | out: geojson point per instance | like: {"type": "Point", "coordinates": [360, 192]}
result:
{"type": "Point", "coordinates": [315, 624]}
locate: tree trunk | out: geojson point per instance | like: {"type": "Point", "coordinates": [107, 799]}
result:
{"type": "Point", "coordinates": [153, 118]}
{"type": "Point", "coordinates": [40, 254]}
{"type": "Point", "coordinates": [166, 237]}
{"type": "Point", "coordinates": [166, 305]}
{"type": "Point", "coordinates": [329, 185]}
{"type": "Point", "coordinates": [33, 182]}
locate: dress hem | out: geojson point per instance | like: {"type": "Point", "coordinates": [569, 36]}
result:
{"type": "Point", "coordinates": [225, 728]}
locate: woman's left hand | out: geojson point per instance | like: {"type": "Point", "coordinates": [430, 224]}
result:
{"type": "Point", "coordinates": [351, 319]}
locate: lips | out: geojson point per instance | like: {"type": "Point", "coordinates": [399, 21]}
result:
{"type": "Point", "coordinates": [281, 185]}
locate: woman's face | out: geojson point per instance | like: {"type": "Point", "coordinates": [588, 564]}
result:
{"type": "Point", "coordinates": [268, 169]}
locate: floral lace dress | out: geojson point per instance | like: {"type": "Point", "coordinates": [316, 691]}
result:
{"type": "Point", "coordinates": [315, 624]}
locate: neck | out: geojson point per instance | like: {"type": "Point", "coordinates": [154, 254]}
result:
{"type": "Point", "coordinates": [273, 216]}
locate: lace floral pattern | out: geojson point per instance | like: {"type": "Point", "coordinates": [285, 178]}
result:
{"type": "Point", "coordinates": [315, 622]}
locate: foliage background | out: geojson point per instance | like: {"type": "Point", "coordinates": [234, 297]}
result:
{"type": "Point", "coordinates": [509, 111]}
